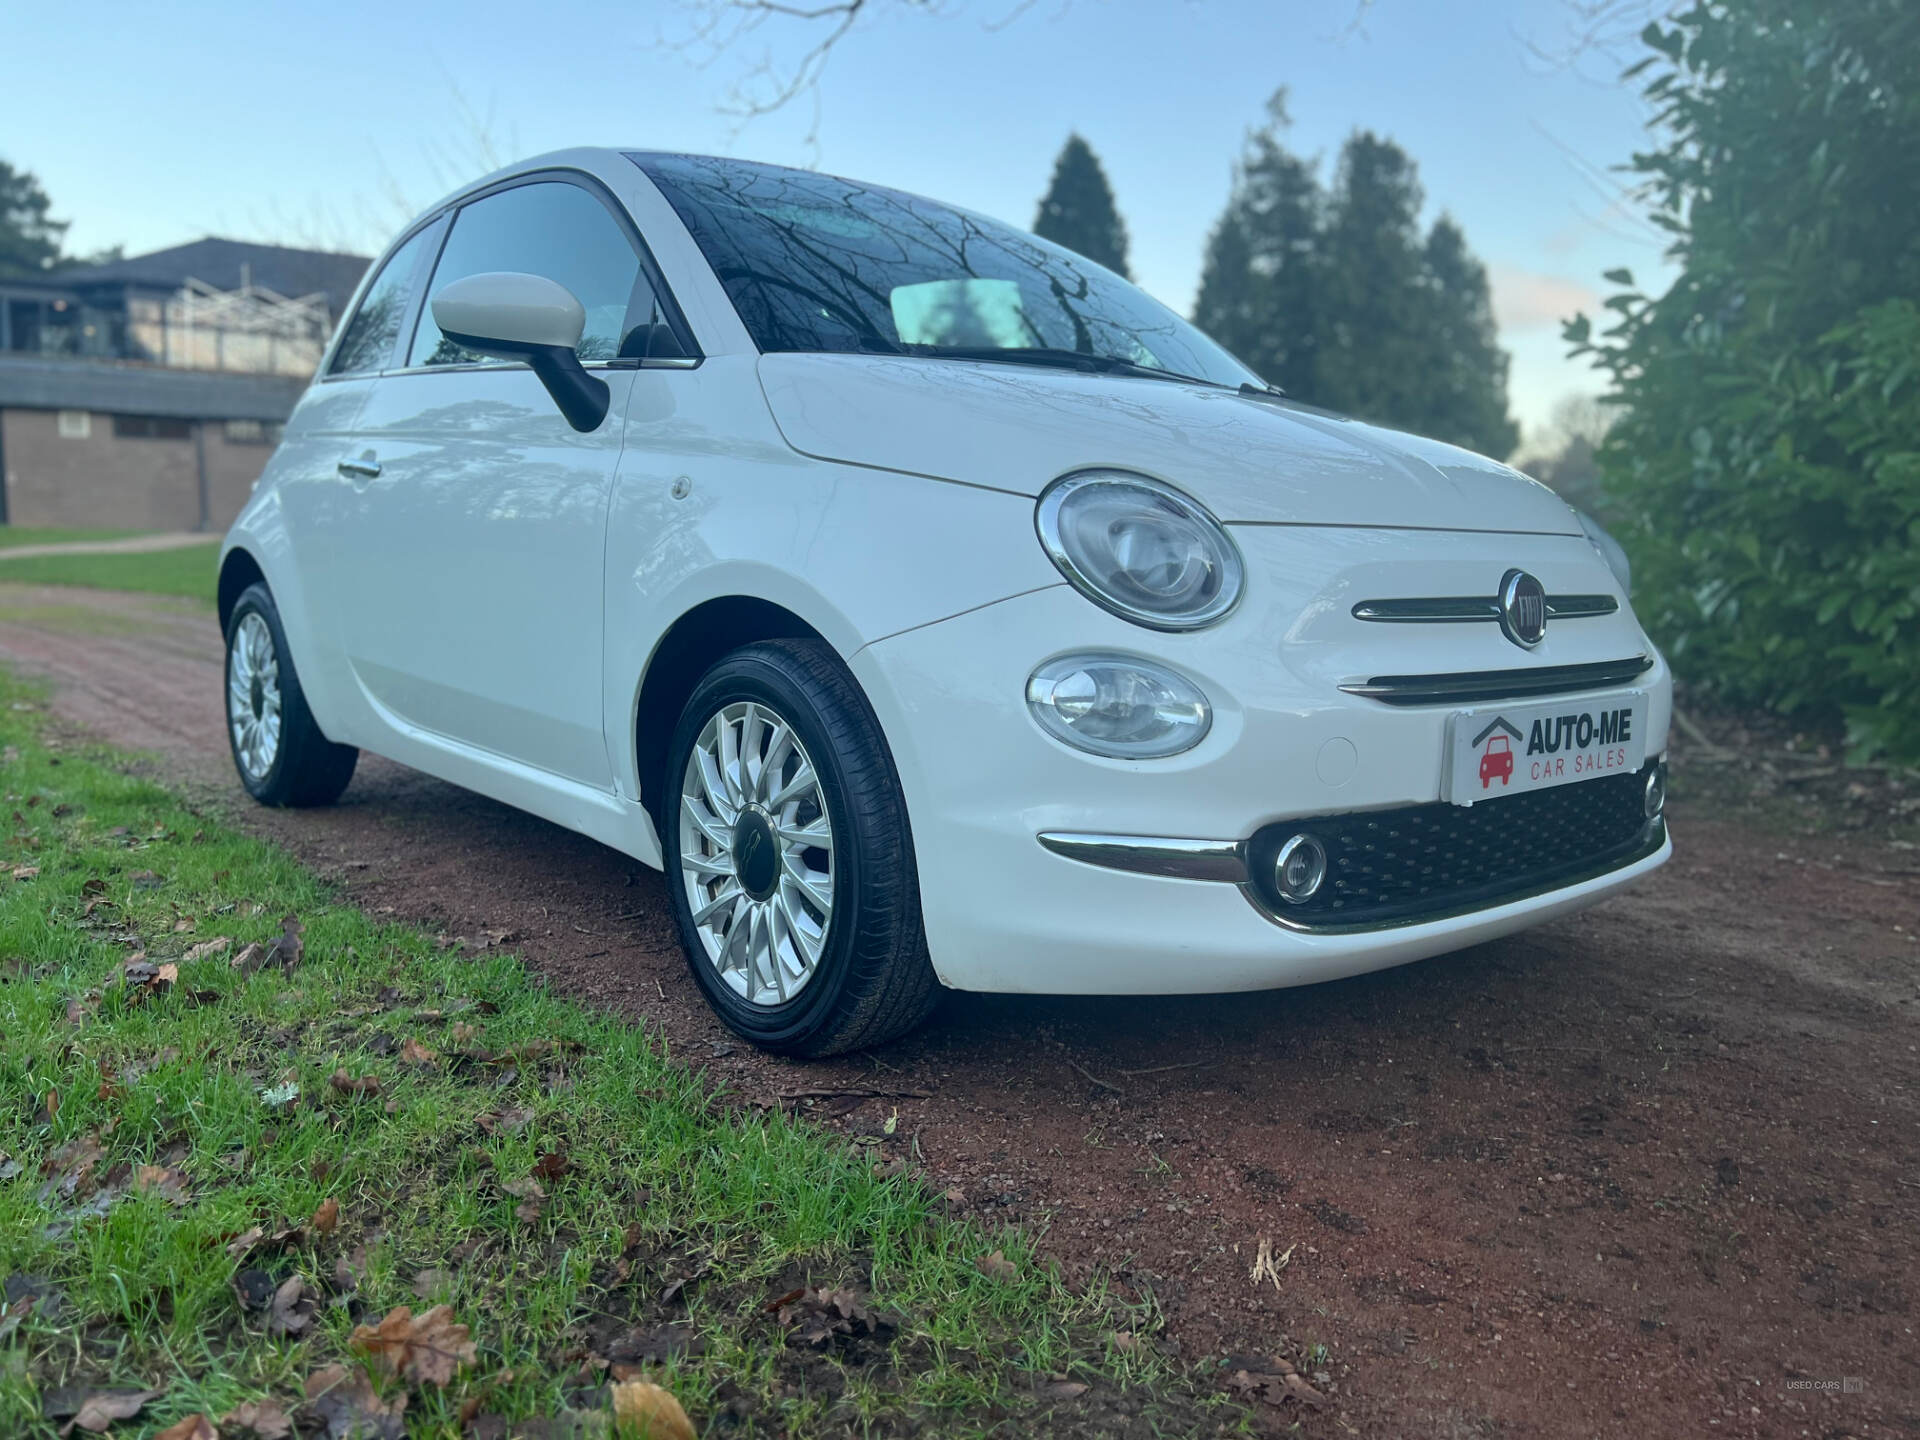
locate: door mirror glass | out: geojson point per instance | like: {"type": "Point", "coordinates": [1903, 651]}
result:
{"type": "Point", "coordinates": [515, 316]}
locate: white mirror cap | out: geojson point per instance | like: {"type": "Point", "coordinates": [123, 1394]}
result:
{"type": "Point", "coordinates": [517, 309]}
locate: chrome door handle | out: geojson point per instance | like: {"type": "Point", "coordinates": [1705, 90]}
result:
{"type": "Point", "coordinates": [365, 468]}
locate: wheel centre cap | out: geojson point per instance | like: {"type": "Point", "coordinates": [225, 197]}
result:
{"type": "Point", "coordinates": [756, 855]}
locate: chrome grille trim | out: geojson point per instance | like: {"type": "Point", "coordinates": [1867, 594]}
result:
{"type": "Point", "coordinates": [1455, 609]}
{"type": "Point", "coordinates": [1172, 857]}
{"type": "Point", "coordinates": [1472, 687]}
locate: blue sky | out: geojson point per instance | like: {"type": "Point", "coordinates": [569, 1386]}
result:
{"type": "Point", "coordinates": [160, 124]}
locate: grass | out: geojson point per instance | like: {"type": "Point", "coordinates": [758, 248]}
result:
{"type": "Point", "coordinates": [12, 536]}
{"type": "Point", "coordinates": [172, 1142]}
{"type": "Point", "coordinates": [186, 571]}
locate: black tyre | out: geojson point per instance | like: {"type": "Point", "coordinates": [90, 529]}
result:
{"type": "Point", "coordinates": [282, 757]}
{"type": "Point", "coordinates": [789, 857]}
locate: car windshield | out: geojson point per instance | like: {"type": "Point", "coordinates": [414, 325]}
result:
{"type": "Point", "coordinates": [816, 263]}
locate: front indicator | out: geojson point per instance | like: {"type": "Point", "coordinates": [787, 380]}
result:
{"type": "Point", "coordinates": [1118, 706]}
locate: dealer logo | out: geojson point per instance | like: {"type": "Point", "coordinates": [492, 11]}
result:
{"type": "Point", "coordinates": [1523, 609]}
{"type": "Point", "coordinates": [1495, 744]}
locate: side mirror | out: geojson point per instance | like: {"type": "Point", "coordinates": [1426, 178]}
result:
{"type": "Point", "coordinates": [513, 316]}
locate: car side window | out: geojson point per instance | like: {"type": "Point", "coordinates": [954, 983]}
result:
{"type": "Point", "coordinates": [564, 233]}
{"type": "Point", "coordinates": [367, 342]}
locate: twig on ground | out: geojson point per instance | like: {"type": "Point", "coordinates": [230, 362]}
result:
{"type": "Point", "coordinates": [1699, 737]}
{"type": "Point", "coordinates": [1163, 1069]}
{"type": "Point", "coordinates": [864, 1092]}
{"type": "Point", "coordinates": [1815, 774]}
{"type": "Point", "coordinates": [1103, 1084]}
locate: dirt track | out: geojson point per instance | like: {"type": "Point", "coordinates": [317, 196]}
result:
{"type": "Point", "coordinates": [1651, 1170]}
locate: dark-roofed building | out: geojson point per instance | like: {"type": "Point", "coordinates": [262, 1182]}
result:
{"type": "Point", "coordinates": [146, 393]}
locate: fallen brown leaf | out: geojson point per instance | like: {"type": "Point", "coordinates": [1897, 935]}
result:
{"type": "Point", "coordinates": [354, 1085]}
{"type": "Point", "coordinates": [814, 1316]}
{"type": "Point", "coordinates": [996, 1266]}
{"type": "Point", "coordinates": [428, 1281]}
{"type": "Point", "coordinates": [326, 1217]}
{"type": "Point", "coordinates": [1276, 1386]}
{"type": "Point", "coordinates": [348, 1268]}
{"type": "Point", "coordinates": [532, 1196]}
{"type": "Point", "coordinates": [101, 1408]}
{"type": "Point", "coordinates": [12, 1313]}
{"type": "Point", "coordinates": [288, 948]}
{"type": "Point", "coordinates": [1063, 1390]}
{"type": "Point", "coordinates": [650, 1411]}
{"type": "Point", "coordinates": [207, 949]}
{"type": "Point", "coordinates": [344, 1400]}
{"type": "Point", "coordinates": [552, 1165]}
{"type": "Point", "coordinates": [168, 1184]}
{"type": "Point", "coordinates": [425, 1348]}
{"type": "Point", "coordinates": [262, 1419]}
{"type": "Point", "coordinates": [414, 1053]}
{"type": "Point", "coordinates": [256, 1238]}
{"type": "Point", "coordinates": [249, 958]}
{"type": "Point", "coordinates": [504, 1121]}
{"type": "Point", "coordinates": [292, 1309]}
{"type": "Point", "coordinates": [194, 1427]}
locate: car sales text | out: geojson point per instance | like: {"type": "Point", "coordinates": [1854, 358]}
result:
{"type": "Point", "coordinates": [1579, 744]}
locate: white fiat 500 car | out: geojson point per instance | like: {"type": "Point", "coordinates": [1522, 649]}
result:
{"type": "Point", "coordinates": [931, 605]}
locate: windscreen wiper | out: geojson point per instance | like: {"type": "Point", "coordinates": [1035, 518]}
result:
{"type": "Point", "coordinates": [1059, 359]}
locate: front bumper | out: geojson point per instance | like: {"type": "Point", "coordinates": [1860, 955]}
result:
{"type": "Point", "coordinates": [1005, 913]}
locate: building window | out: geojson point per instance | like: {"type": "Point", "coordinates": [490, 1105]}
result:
{"type": "Point", "coordinates": [150, 427]}
{"type": "Point", "coordinates": [252, 432]}
{"type": "Point", "coordinates": [75, 424]}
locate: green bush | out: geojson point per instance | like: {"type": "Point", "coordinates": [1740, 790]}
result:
{"type": "Point", "coordinates": [1778, 558]}
{"type": "Point", "coordinates": [1765, 471]}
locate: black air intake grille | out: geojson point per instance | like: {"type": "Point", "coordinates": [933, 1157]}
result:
{"type": "Point", "coordinates": [1386, 866]}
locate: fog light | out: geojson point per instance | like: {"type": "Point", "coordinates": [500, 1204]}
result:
{"type": "Point", "coordinates": [1654, 798]}
{"type": "Point", "coordinates": [1299, 868]}
{"type": "Point", "coordinates": [1118, 705]}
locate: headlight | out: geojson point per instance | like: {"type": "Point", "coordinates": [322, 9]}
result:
{"type": "Point", "coordinates": [1119, 706]}
{"type": "Point", "coordinates": [1141, 549]}
{"type": "Point", "coordinates": [1610, 551]}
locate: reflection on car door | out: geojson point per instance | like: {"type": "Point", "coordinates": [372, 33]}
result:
{"type": "Point", "coordinates": [481, 540]}
{"type": "Point", "coordinates": [317, 502]}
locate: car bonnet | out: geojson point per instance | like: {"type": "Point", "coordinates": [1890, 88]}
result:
{"type": "Point", "coordinates": [1248, 459]}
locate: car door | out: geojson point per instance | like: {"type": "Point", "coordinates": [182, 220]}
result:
{"type": "Point", "coordinates": [318, 505]}
{"type": "Point", "coordinates": [477, 615]}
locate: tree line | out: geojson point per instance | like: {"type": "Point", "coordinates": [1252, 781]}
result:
{"type": "Point", "coordinates": [1331, 291]}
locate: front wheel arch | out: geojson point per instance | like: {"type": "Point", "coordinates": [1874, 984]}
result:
{"type": "Point", "coordinates": [693, 645]}
{"type": "Point", "coordinates": [238, 571]}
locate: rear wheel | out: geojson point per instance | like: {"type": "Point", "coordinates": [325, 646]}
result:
{"type": "Point", "coordinates": [789, 857]}
{"type": "Point", "coordinates": [282, 757]}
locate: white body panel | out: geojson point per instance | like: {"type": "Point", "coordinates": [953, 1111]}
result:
{"type": "Point", "coordinates": [487, 607]}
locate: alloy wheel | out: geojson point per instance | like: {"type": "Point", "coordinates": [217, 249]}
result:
{"type": "Point", "coordinates": [756, 853]}
{"type": "Point", "coordinates": [253, 696]}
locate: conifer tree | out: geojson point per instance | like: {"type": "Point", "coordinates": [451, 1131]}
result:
{"type": "Point", "coordinates": [1078, 210]}
{"type": "Point", "coordinates": [1341, 301]}
{"type": "Point", "coordinates": [1258, 287]}
{"type": "Point", "coordinates": [1468, 395]}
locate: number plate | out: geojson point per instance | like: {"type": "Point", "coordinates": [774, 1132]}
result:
{"type": "Point", "coordinates": [1507, 749]}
